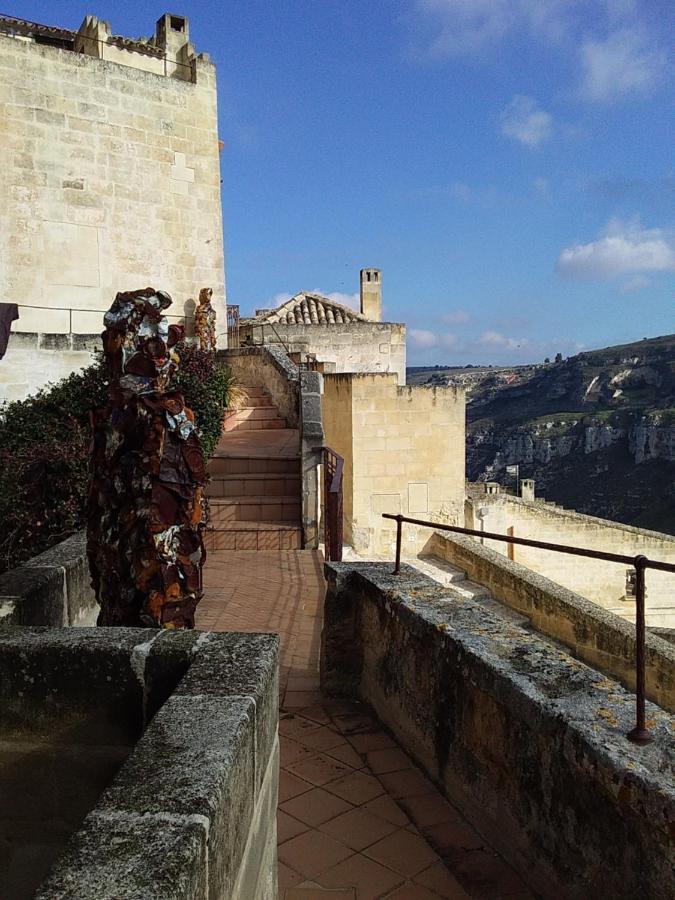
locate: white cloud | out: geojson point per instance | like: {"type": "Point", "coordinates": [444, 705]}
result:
{"type": "Point", "coordinates": [524, 121]}
{"type": "Point", "coordinates": [542, 186]}
{"type": "Point", "coordinates": [278, 300]}
{"type": "Point", "coordinates": [623, 247]}
{"type": "Point", "coordinates": [623, 63]}
{"type": "Point", "coordinates": [638, 283]}
{"type": "Point", "coordinates": [422, 338]}
{"type": "Point", "coordinates": [495, 339]}
{"type": "Point", "coordinates": [462, 27]}
{"type": "Point", "coordinates": [456, 317]}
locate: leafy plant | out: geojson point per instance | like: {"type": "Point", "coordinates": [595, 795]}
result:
{"type": "Point", "coordinates": [44, 450]}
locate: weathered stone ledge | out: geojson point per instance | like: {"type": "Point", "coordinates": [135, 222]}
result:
{"type": "Point", "coordinates": [528, 740]}
{"type": "Point", "coordinates": [189, 812]}
{"type": "Point", "coordinates": [591, 632]}
{"type": "Point", "coordinates": [53, 588]}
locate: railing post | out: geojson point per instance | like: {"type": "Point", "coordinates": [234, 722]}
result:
{"type": "Point", "coordinates": [640, 734]}
{"type": "Point", "coordinates": [399, 528]}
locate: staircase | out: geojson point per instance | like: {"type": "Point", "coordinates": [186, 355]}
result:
{"type": "Point", "coordinates": [255, 488]}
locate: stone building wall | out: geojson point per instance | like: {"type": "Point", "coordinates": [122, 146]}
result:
{"type": "Point", "coordinates": [354, 347]}
{"type": "Point", "coordinates": [111, 181]}
{"type": "Point", "coordinates": [403, 448]}
{"type": "Point", "coordinates": [603, 582]}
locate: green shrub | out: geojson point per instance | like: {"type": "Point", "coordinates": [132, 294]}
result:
{"type": "Point", "coordinates": [44, 450]}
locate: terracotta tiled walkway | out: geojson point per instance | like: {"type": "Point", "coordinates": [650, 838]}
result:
{"type": "Point", "coordinates": [356, 819]}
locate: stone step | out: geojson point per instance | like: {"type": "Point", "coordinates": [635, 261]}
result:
{"type": "Point", "coordinates": [254, 536]}
{"type": "Point", "coordinates": [257, 412]}
{"type": "Point", "coordinates": [221, 466]}
{"type": "Point", "coordinates": [255, 484]}
{"type": "Point", "coordinates": [439, 570]}
{"type": "Point", "coordinates": [233, 421]}
{"type": "Point", "coordinates": [469, 590]}
{"type": "Point", "coordinates": [246, 508]}
{"type": "Point", "coordinates": [261, 400]}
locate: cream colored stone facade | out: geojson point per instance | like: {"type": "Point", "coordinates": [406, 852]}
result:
{"type": "Point", "coordinates": [111, 181]}
{"type": "Point", "coordinates": [403, 448]}
{"type": "Point", "coordinates": [603, 582]}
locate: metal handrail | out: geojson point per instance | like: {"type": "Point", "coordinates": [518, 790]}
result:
{"type": "Point", "coordinates": [640, 734]}
{"type": "Point", "coordinates": [333, 466]}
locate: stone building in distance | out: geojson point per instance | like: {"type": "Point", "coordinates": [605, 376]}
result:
{"type": "Point", "coordinates": [341, 339]}
{"type": "Point", "coordinates": [111, 180]}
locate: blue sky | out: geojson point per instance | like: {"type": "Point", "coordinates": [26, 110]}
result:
{"type": "Point", "coordinates": [508, 164]}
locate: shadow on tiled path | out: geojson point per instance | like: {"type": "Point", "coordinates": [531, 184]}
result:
{"type": "Point", "coordinates": [356, 818]}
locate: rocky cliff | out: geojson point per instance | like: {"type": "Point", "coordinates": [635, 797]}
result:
{"type": "Point", "coordinates": [595, 431]}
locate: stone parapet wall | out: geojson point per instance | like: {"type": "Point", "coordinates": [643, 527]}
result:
{"type": "Point", "coordinates": [353, 347]}
{"type": "Point", "coordinates": [191, 812]}
{"type": "Point", "coordinates": [403, 448]}
{"type": "Point", "coordinates": [53, 588]}
{"type": "Point", "coordinates": [592, 633]}
{"type": "Point", "coordinates": [603, 582]}
{"type": "Point", "coordinates": [527, 740]}
{"type": "Point", "coordinates": [111, 181]}
{"type": "Point", "coordinates": [271, 368]}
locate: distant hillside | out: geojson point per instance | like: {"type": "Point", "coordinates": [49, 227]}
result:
{"type": "Point", "coordinates": [596, 431]}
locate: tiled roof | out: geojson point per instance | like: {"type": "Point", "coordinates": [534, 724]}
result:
{"type": "Point", "coordinates": [309, 309]}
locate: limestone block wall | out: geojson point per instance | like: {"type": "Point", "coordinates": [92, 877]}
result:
{"type": "Point", "coordinates": [603, 582]}
{"type": "Point", "coordinates": [111, 181]}
{"type": "Point", "coordinates": [404, 453]}
{"type": "Point", "coordinates": [355, 347]}
{"type": "Point", "coordinates": [527, 740]}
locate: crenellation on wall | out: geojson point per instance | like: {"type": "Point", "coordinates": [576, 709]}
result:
{"type": "Point", "coordinates": [111, 178]}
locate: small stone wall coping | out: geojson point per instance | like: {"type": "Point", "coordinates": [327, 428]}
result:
{"type": "Point", "coordinates": [529, 741]}
{"type": "Point", "coordinates": [178, 819]}
{"type": "Point", "coordinates": [593, 633]}
{"type": "Point", "coordinates": [53, 588]}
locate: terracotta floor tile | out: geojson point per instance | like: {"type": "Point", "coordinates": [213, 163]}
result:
{"type": "Point", "coordinates": [288, 827]}
{"type": "Point", "coordinates": [324, 738]}
{"type": "Point", "coordinates": [438, 879]}
{"type": "Point", "coordinates": [346, 754]}
{"type": "Point", "coordinates": [298, 699]}
{"type": "Point", "coordinates": [291, 786]}
{"type": "Point", "coordinates": [358, 829]}
{"type": "Point", "coordinates": [315, 807]}
{"type": "Point", "coordinates": [376, 740]}
{"type": "Point", "coordinates": [312, 853]}
{"type": "Point", "coordinates": [430, 809]}
{"type": "Point", "coordinates": [356, 787]}
{"type": "Point", "coordinates": [404, 852]}
{"type": "Point", "coordinates": [291, 751]}
{"type": "Point", "coordinates": [306, 683]}
{"type": "Point", "coordinates": [296, 727]}
{"type": "Point", "coordinates": [406, 783]}
{"type": "Point", "coordinates": [287, 877]}
{"type": "Point", "coordinates": [391, 759]}
{"type": "Point", "coordinates": [318, 769]}
{"type": "Point", "coordinates": [317, 714]}
{"type": "Point", "coordinates": [318, 893]}
{"type": "Point", "coordinates": [485, 876]}
{"type": "Point", "coordinates": [387, 809]}
{"type": "Point", "coordinates": [411, 891]}
{"type": "Point", "coordinates": [453, 839]}
{"type": "Point", "coordinates": [370, 879]}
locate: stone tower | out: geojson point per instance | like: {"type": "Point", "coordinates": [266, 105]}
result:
{"type": "Point", "coordinates": [371, 294]}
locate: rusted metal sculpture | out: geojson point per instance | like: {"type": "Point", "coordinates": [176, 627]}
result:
{"type": "Point", "coordinates": [205, 321]}
{"type": "Point", "coordinates": [144, 542]}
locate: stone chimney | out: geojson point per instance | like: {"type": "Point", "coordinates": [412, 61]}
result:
{"type": "Point", "coordinates": [527, 489]}
{"type": "Point", "coordinates": [371, 294]}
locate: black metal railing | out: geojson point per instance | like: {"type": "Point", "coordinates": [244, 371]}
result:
{"type": "Point", "coordinates": [333, 465]}
{"type": "Point", "coordinates": [640, 734]}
